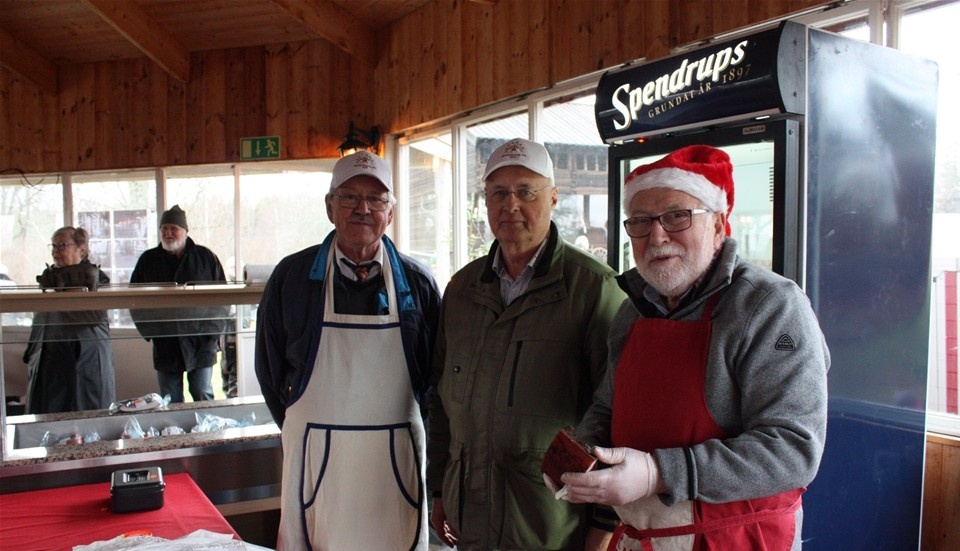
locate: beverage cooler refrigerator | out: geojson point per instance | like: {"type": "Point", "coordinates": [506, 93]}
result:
{"type": "Point", "coordinates": [832, 141]}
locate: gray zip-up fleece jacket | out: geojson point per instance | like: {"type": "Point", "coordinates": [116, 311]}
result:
{"type": "Point", "coordinates": [770, 398]}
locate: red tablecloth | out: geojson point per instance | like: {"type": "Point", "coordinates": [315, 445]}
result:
{"type": "Point", "coordinates": [59, 518]}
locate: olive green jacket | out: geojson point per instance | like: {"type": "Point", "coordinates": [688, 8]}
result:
{"type": "Point", "coordinates": [506, 379]}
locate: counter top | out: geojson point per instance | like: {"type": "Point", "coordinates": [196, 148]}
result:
{"type": "Point", "coordinates": [146, 296]}
{"type": "Point", "coordinates": [39, 459]}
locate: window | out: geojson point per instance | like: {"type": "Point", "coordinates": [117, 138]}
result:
{"type": "Point", "coordinates": [206, 196]}
{"type": "Point", "coordinates": [481, 140]}
{"type": "Point", "coordinates": [425, 205]}
{"type": "Point", "coordinates": [929, 33]}
{"type": "Point", "coordinates": [569, 129]}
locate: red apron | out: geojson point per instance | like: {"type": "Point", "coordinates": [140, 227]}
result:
{"type": "Point", "coordinates": [659, 401]}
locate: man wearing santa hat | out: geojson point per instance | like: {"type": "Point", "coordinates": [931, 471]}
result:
{"type": "Point", "coordinates": [713, 415]}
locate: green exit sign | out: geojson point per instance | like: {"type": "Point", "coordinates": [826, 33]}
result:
{"type": "Point", "coordinates": [262, 147]}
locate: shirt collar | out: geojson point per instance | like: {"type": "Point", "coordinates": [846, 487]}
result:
{"type": "Point", "coordinates": [501, 270]}
{"type": "Point", "coordinates": [375, 263]}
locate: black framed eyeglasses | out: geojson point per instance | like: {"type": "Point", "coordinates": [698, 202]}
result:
{"type": "Point", "coordinates": [527, 195]}
{"type": "Point", "coordinates": [352, 201]}
{"type": "Point", "coordinates": [61, 246]}
{"type": "Point", "coordinates": [673, 221]}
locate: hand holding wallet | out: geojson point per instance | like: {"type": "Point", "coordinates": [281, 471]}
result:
{"type": "Point", "coordinates": [567, 454]}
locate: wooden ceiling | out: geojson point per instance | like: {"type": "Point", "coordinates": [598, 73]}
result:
{"type": "Point", "coordinates": [37, 36]}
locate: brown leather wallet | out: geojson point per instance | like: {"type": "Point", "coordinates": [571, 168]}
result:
{"type": "Point", "coordinates": [566, 454]}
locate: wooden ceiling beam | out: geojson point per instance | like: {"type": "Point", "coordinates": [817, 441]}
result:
{"type": "Point", "coordinates": [131, 21]}
{"type": "Point", "coordinates": [335, 25]}
{"type": "Point", "coordinates": [23, 60]}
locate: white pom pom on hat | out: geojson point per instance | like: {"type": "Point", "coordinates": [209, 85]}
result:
{"type": "Point", "coordinates": [701, 171]}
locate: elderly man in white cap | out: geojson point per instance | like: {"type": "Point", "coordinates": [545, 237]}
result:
{"type": "Point", "coordinates": [713, 415]}
{"type": "Point", "coordinates": [521, 346]}
{"type": "Point", "coordinates": [345, 331]}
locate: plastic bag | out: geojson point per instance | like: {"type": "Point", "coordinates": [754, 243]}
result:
{"type": "Point", "coordinates": [146, 402]}
{"type": "Point", "coordinates": [132, 430]}
{"type": "Point", "coordinates": [210, 423]}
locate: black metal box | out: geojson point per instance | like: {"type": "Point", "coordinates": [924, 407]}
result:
{"type": "Point", "coordinates": [134, 490]}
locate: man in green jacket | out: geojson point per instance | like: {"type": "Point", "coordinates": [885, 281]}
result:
{"type": "Point", "coordinates": [520, 348]}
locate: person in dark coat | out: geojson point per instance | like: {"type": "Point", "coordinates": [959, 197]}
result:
{"type": "Point", "coordinates": [69, 354]}
{"type": "Point", "coordinates": [185, 341]}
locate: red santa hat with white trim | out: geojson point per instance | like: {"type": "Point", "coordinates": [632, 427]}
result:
{"type": "Point", "coordinates": [702, 171]}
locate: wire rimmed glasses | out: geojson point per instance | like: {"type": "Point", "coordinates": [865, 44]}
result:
{"type": "Point", "coordinates": [526, 195]}
{"type": "Point", "coordinates": [352, 201]}
{"type": "Point", "coordinates": [60, 246]}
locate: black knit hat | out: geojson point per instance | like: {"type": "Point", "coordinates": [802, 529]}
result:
{"type": "Point", "coordinates": [175, 216]}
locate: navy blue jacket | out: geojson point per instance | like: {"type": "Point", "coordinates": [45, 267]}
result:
{"type": "Point", "coordinates": [291, 311]}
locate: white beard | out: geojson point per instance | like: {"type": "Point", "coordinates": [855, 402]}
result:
{"type": "Point", "coordinates": [677, 278]}
{"type": "Point", "coordinates": [174, 247]}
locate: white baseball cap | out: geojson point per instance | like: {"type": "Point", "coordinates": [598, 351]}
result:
{"type": "Point", "coordinates": [362, 163]}
{"type": "Point", "coordinates": [521, 152]}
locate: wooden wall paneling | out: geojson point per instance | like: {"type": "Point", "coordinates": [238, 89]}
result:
{"type": "Point", "coordinates": [87, 118]}
{"type": "Point", "coordinates": [175, 137]}
{"type": "Point", "coordinates": [562, 29]}
{"type": "Point", "coordinates": [932, 483]}
{"type": "Point", "coordinates": [19, 142]}
{"type": "Point", "coordinates": [50, 126]}
{"type": "Point", "coordinates": [426, 100]}
{"type": "Point", "coordinates": [319, 90]}
{"type": "Point", "coordinates": [276, 70]}
{"type": "Point", "coordinates": [471, 13]}
{"type": "Point", "coordinates": [484, 56]}
{"type": "Point", "coordinates": [156, 134]}
{"type": "Point", "coordinates": [510, 39]}
{"type": "Point", "coordinates": [104, 117]}
{"type": "Point", "coordinates": [67, 122]}
{"type": "Point", "coordinates": [33, 122]}
{"type": "Point", "coordinates": [235, 86]}
{"type": "Point", "coordinates": [690, 20]}
{"type": "Point", "coordinates": [297, 102]}
{"type": "Point", "coordinates": [601, 40]}
{"type": "Point", "coordinates": [653, 18]}
{"type": "Point", "coordinates": [17, 123]}
{"type": "Point", "coordinates": [141, 113]}
{"type": "Point", "coordinates": [118, 150]}
{"type": "Point", "coordinates": [538, 44]}
{"type": "Point", "coordinates": [254, 92]}
{"type": "Point", "coordinates": [941, 495]}
{"type": "Point", "coordinates": [407, 79]}
{"type": "Point", "coordinates": [195, 110]}
{"type": "Point", "coordinates": [950, 498]}
{"type": "Point", "coordinates": [359, 101]}
{"type": "Point", "coordinates": [214, 107]}
{"type": "Point", "coordinates": [341, 111]}
{"type": "Point", "coordinates": [449, 57]}
{"type": "Point", "coordinates": [6, 122]}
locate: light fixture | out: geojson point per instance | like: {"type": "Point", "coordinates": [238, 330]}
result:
{"type": "Point", "coordinates": [358, 139]}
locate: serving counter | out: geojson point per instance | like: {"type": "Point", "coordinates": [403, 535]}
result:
{"type": "Point", "coordinates": [237, 469]}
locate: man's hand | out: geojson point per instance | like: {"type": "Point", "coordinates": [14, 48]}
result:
{"type": "Point", "coordinates": [438, 519]}
{"type": "Point", "coordinates": [632, 474]}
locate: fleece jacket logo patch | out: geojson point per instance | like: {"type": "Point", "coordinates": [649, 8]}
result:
{"type": "Point", "coordinates": [785, 343]}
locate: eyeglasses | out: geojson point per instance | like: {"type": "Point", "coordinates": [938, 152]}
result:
{"type": "Point", "coordinates": [61, 246]}
{"type": "Point", "coordinates": [673, 221]}
{"type": "Point", "coordinates": [352, 201]}
{"type": "Point", "coordinates": [524, 194]}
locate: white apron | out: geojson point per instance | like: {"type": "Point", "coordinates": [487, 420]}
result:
{"type": "Point", "coordinates": [353, 471]}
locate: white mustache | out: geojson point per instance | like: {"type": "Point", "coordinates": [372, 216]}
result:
{"type": "Point", "coordinates": [664, 250]}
